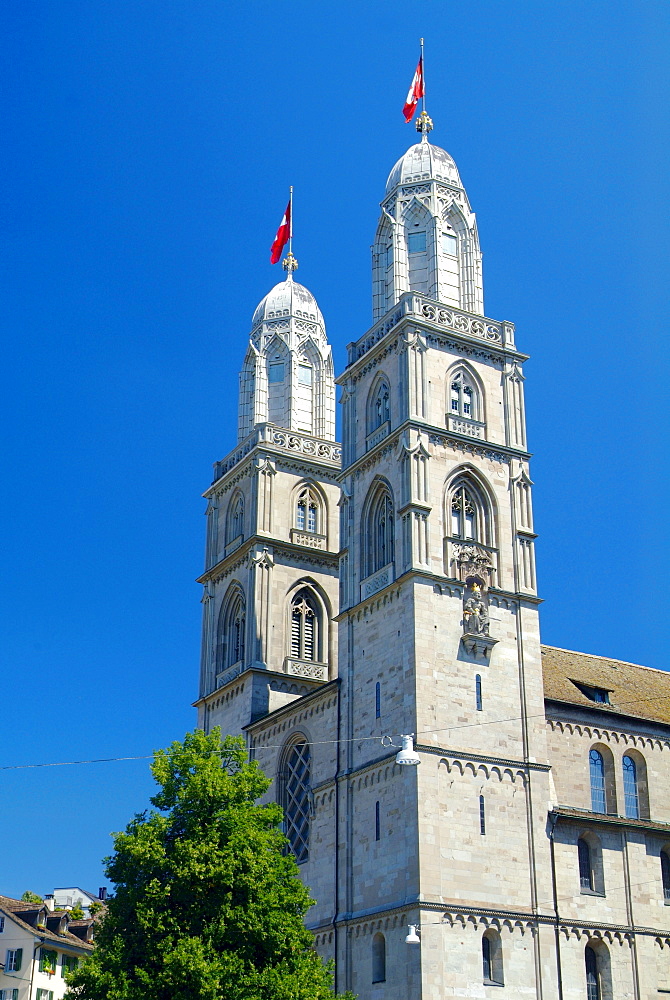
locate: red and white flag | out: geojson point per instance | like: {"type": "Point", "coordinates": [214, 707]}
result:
{"type": "Point", "coordinates": [282, 237]}
{"type": "Point", "coordinates": [416, 90]}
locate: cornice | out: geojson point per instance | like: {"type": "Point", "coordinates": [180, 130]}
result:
{"type": "Point", "coordinates": [303, 553]}
{"type": "Point", "coordinates": [567, 814]}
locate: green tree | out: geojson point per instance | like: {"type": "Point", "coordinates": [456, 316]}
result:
{"type": "Point", "coordinates": [77, 911]}
{"type": "Point", "coordinates": [207, 903]}
{"type": "Point", "coordinates": [31, 897]}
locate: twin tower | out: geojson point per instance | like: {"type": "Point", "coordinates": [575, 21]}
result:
{"type": "Point", "coordinates": [386, 586]}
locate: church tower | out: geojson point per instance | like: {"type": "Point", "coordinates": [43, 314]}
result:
{"type": "Point", "coordinates": [270, 580]}
{"type": "Point", "coordinates": [439, 631]}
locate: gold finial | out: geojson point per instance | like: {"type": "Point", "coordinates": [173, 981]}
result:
{"type": "Point", "coordinates": [424, 123]}
{"type": "Point", "coordinates": [289, 263]}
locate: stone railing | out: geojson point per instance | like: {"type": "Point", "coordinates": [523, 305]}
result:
{"type": "Point", "coordinates": [377, 581]}
{"type": "Point", "coordinates": [448, 317]}
{"type": "Point", "coordinates": [229, 674]}
{"type": "Point", "coordinates": [308, 538]}
{"type": "Point", "coordinates": [306, 668]}
{"type": "Point", "coordinates": [378, 435]}
{"type": "Point", "coordinates": [270, 434]}
{"type": "Point", "coordinates": [463, 425]}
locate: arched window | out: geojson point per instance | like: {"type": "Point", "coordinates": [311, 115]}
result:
{"type": "Point", "coordinates": [597, 773]}
{"type": "Point", "coordinates": [585, 866]}
{"type": "Point", "coordinates": [379, 958]}
{"type": "Point", "coordinates": [295, 785]}
{"type": "Point", "coordinates": [231, 630]}
{"type": "Point", "coordinates": [630, 792]}
{"type": "Point", "coordinates": [379, 532]}
{"type": "Point", "coordinates": [466, 513]}
{"type": "Point", "coordinates": [307, 511]}
{"type": "Point", "coordinates": [379, 407]}
{"type": "Point", "coordinates": [305, 637]}
{"type": "Point", "coordinates": [463, 398]}
{"type": "Point", "coordinates": [592, 974]}
{"type": "Point", "coordinates": [492, 963]}
{"type": "Point", "coordinates": [235, 526]}
{"type": "Point", "coordinates": [665, 874]}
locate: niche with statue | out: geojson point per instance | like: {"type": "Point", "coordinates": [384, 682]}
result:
{"type": "Point", "coordinates": [476, 637]}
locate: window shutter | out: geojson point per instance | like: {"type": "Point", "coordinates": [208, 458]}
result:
{"type": "Point", "coordinates": [295, 634]}
{"type": "Point", "coordinates": [51, 995]}
{"type": "Point", "coordinates": [15, 995]}
{"type": "Point", "coordinates": [18, 955]}
{"type": "Point", "coordinates": [309, 636]}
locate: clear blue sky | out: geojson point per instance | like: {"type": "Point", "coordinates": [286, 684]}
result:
{"type": "Point", "coordinates": [148, 149]}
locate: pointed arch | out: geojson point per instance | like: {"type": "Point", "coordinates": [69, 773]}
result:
{"type": "Point", "coordinates": [465, 396]}
{"type": "Point", "coordinates": [378, 407]}
{"type": "Point", "coordinates": [307, 622]}
{"type": "Point", "coordinates": [231, 629]}
{"type": "Point", "coordinates": [378, 528]}
{"type": "Point", "coordinates": [235, 518]}
{"type": "Point", "coordinates": [469, 508]}
{"type": "Point", "coordinates": [309, 508]}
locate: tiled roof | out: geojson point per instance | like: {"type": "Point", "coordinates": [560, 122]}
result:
{"type": "Point", "coordinates": [640, 692]}
{"type": "Point", "coordinates": [19, 909]}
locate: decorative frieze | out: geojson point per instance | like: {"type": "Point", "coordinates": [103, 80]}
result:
{"type": "Point", "coordinates": [378, 435]}
{"type": "Point", "coordinates": [461, 425]}
{"type": "Point", "coordinates": [372, 584]}
{"type": "Point", "coordinates": [306, 668]}
{"type": "Point", "coordinates": [308, 539]}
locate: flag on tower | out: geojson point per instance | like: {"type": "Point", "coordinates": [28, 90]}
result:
{"type": "Point", "coordinates": [416, 90]}
{"type": "Point", "coordinates": [282, 237]}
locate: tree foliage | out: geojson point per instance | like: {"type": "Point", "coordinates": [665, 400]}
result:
{"type": "Point", "coordinates": [31, 897]}
{"type": "Point", "coordinates": [77, 911]}
{"type": "Point", "coordinates": [207, 903]}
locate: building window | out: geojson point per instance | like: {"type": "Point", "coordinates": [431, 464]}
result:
{"type": "Point", "coordinates": [231, 632]}
{"type": "Point", "coordinates": [377, 828]}
{"type": "Point", "coordinates": [597, 773]}
{"type": "Point", "coordinates": [9, 994]}
{"type": "Point", "coordinates": [630, 793]}
{"type": "Point", "coordinates": [416, 242]}
{"type": "Point", "coordinates": [599, 695]}
{"type": "Point", "coordinates": [379, 532]}
{"type": "Point", "coordinates": [305, 373]}
{"type": "Point", "coordinates": [2, 924]}
{"type": "Point", "coordinates": [276, 372]}
{"type": "Point", "coordinates": [592, 976]}
{"type": "Point", "coordinates": [304, 626]}
{"type": "Point", "coordinates": [389, 255]}
{"type": "Point", "coordinates": [307, 510]}
{"type": "Point", "coordinates": [478, 692]}
{"type": "Point", "coordinates": [378, 701]}
{"type": "Point", "coordinates": [70, 963]}
{"type": "Point", "coordinates": [48, 961]}
{"type": "Point", "coordinates": [44, 994]}
{"type": "Point", "coordinates": [492, 966]}
{"type": "Point", "coordinates": [463, 514]}
{"type": "Point", "coordinates": [665, 874]}
{"type": "Point", "coordinates": [463, 397]}
{"type": "Point", "coordinates": [482, 815]}
{"type": "Point", "coordinates": [296, 798]}
{"type": "Point", "coordinates": [585, 866]}
{"type": "Point", "coordinates": [379, 958]}
{"type": "Point", "coordinates": [13, 960]}
{"type": "Point", "coordinates": [380, 406]}
{"type": "Point", "coordinates": [235, 518]}
{"type": "Point", "coordinates": [449, 245]}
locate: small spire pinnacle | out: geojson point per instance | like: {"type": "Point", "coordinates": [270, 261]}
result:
{"type": "Point", "coordinates": [290, 264]}
{"type": "Point", "coordinates": [424, 125]}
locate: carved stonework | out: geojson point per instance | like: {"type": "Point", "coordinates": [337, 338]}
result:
{"type": "Point", "coordinates": [474, 561]}
{"type": "Point", "coordinates": [476, 622]}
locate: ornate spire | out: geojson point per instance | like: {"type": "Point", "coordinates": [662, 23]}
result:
{"type": "Point", "coordinates": [290, 264]}
{"type": "Point", "coordinates": [424, 125]}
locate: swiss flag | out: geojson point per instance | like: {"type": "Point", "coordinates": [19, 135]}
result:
{"type": "Point", "coordinates": [416, 90]}
{"type": "Point", "coordinates": [282, 237]}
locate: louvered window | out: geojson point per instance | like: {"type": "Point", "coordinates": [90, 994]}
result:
{"type": "Point", "coordinates": [304, 627]}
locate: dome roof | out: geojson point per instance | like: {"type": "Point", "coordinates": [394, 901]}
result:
{"type": "Point", "coordinates": [423, 162]}
{"type": "Point", "coordinates": [288, 298]}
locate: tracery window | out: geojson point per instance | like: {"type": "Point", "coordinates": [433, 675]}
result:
{"type": "Point", "coordinates": [235, 518]}
{"type": "Point", "coordinates": [231, 631]}
{"type": "Point", "coordinates": [463, 397]}
{"type": "Point", "coordinates": [307, 511]}
{"type": "Point", "coordinates": [379, 532]}
{"type": "Point", "coordinates": [464, 519]}
{"type": "Point", "coordinates": [665, 874]}
{"type": "Point", "coordinates": [304, 626]}
{"type": "Point", "coordinates": [597, 775]}
{"type": "Point", "coordinates": [630, 790]}
{"type": "Point", "coordinates": [380, 406]}
{"type": "Point", "coordinates": [296, 798]}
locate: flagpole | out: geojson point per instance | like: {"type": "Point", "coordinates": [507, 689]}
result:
{"type": "Point", "coordinates": [290, 224]}
{"type": "Point", "coordinates": [423, 72]}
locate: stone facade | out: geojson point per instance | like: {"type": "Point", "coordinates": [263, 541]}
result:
{"type": "Point", "coordinates": [526, 848]}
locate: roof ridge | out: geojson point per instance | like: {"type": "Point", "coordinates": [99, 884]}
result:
{"type": "Point", "coordinates": [598, 656]}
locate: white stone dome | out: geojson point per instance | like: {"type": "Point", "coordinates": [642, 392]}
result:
{"type": "Point", "coordinates": [288, 298]}
{"type": "Point", "coordinates": [423, 162]}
